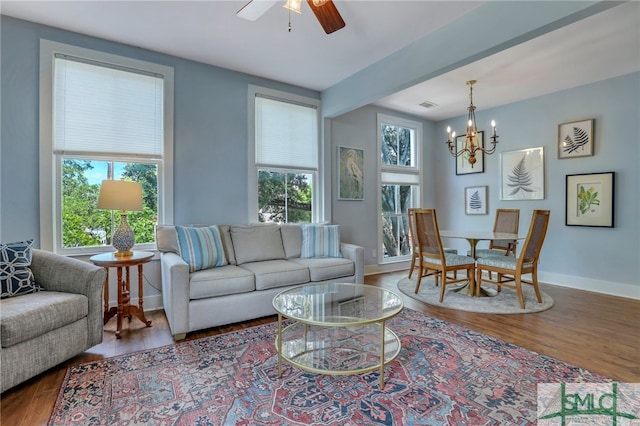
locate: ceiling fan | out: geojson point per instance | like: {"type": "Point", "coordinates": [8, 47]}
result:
{"type": "Point", "coordinates": [325, 11]}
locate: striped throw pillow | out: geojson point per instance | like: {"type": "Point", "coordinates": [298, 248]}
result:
{"type": "Point", "coordinates": [201, 247]}
{"type": "Point", "coordinates": [320, 241]}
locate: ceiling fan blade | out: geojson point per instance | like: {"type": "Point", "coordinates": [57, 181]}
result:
{"type": "Point", "coordinates": [327, 15]}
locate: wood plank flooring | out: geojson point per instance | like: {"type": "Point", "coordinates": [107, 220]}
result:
{"type": "Point", "coordinates": [593, 331]}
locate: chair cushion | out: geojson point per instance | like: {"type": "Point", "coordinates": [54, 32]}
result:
{"type": "Point", "coordinates": [489, 253]}
{"type": "Point", "coordinates": [329, 268]}
{"type": "Point", "coordinates": [320, 241]}
{"type": "Point", "coordinates": [277, 273]}
{"type": "Point", "coordinates": [504, 262]}
{"type": "Point", "coordinates": [32, 315]}
{"type": "Point", "coordinates": [454, 260]}
{"type": "Point", "coordinates": [221, 281]}
{"type": "Point", "coordinates": [15, 275]}
{"type": "Point", "coordinates": [201, 247]}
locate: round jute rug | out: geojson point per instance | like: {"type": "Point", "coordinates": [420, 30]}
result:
{"type": "Point", "coordinates": [505, 302]}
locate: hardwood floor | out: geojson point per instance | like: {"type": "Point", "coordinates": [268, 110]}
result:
{"type": "Point", "coordinates": [593, 331]}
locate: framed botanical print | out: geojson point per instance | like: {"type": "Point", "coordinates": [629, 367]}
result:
{"type": "Point", "coordinates": [575, 139]}
{"type": "Point", "coordinates": [475, 200]}
{"type": "Point", "coordinates": [589, 199]}
{"type": "Point", "coordinates": [522, 174]}
{"type": "Point", "coordinates": [463, 167]}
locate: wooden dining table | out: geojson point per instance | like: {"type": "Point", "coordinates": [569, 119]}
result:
{"type": "Point", "coordinates": [473, 238]}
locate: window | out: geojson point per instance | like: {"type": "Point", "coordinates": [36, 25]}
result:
{"type": "Point", "coordinates": [284, 180]}
{"type": "Point", "coordinates": [400, 177]}
{"type": "Point", "coordinates": [102, 117]}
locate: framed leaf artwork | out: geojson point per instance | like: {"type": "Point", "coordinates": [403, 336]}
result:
{"type": "Point", "coordinates": [522, 174]}
{"type": "Point", "coordinates": [575, 139]}
{"type": "Point", "coordinates": [475, 200]}
{"type": "Point", "coordinates": [590, 199]}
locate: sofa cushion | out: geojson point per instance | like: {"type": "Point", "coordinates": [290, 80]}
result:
{"type": "Point", "coordinates": [220, 281]}
{"type": "Point", "coordinates": [16, 277]}
{"type": "Point", "coordinates": [167, 239]}
{"type": "Point", "coordinates": [320, 241]}
{"type": "Point", "coordinates": [329, 268]}
{"type": "Point", "coordinates": [32, 315]}
{"type": "Point", "coordinates": [291, 239]}
{"type": "Point", "coordinates": [227, 243]}
{"type": "Point", "coordinates": [257, 242]}
{"type": "Point", "coordinates": [201, 247]}
{"type": "Point", "coordinates": [277, 273]}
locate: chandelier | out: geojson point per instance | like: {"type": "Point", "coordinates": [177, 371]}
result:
{"type": "Point", "coordinates": [472, 144]}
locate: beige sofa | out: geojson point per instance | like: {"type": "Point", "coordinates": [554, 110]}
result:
{"type": "Point", "coordinates": [43, 329]}
{"type": "Point", "coordinates": [261, 261]}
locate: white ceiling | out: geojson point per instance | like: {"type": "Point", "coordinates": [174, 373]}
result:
{"type": "Point", "coordinates": [596, 48]}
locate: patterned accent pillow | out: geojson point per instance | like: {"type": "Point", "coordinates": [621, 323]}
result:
{"type": "Point", "coordinates": [15, 275]}
{"type": "Point", "coordinates": [320, 241]}
{"type": "Point", "coordinates": [201, 247]}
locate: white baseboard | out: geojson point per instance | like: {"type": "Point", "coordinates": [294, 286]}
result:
{"type": "Point", "coordinates": [631, 291]}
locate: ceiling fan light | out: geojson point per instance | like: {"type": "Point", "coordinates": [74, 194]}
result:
{"type": "Point", "coordinates": [294, 5]}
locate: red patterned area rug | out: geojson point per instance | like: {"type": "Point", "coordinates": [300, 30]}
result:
{"type": "Point", "coordinates": [445, 374]}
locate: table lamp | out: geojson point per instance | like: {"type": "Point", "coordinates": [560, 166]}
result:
{"type": "Point", "coordinates": [121, 195]}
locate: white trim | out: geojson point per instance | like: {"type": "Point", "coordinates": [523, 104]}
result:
{"type": "Point", "coordinates": [49, 163]}
{"type": "Point", "coordinates": [394, 171]}
{"type": "Point", "coordinates": [252, 166]}
{"type": "Point", "coordinates": [628, 290]}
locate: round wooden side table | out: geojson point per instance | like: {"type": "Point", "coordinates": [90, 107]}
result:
{"type": "Point", "coordinates": [124, 308]}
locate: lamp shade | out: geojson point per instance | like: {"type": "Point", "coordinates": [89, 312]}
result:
{"type": "Point", "coordinates": [120, 195]}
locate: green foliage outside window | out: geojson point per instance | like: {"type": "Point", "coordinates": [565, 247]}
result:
{"type": "Point", "coordinates": [284, 197]}
{"type": "Point", "coordinates": [84, 225]}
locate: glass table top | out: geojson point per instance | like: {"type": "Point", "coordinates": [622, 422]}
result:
{"type": "Point", "coordinates": [338, 304]}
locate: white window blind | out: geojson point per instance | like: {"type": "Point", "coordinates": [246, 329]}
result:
{"type": "Point", "coordinates": [286, 134]}
{"type": "Point", "coordinates": [103, 109]}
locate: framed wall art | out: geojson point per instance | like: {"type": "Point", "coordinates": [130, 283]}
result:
{"type": "Point", "coordinates": [350, 173]}
{"type": "Point", "coordinates": [590, 199]}
{"type": "Point", "coordinates": [522, 174]}
{"type": "Point", "coordinates": [462, 162]}
{"type": "Point", "coordinates": [575, 139]}
{"type": "Point", "coordinates": [475, 200]}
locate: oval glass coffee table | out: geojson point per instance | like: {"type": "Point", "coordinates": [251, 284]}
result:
{"type": "Point", "coordinates": [337, 328]}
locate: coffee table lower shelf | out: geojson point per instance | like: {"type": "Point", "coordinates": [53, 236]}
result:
{"type": "Point", "coordinates": [339, 349]}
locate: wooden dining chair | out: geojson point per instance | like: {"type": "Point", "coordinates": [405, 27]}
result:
{"type": "Point", "coordinates": [510, 269]}
{"type": "Point", "coordinates": [433, 259]}
{"type": "Point", "coordinates": [507, 220]}
{"type": "Point", "coordinates": [415, 250]}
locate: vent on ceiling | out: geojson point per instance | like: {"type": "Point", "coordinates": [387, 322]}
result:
{"type": "Point", "coordinates": [428, 105]}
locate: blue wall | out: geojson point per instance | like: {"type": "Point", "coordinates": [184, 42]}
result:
{"type": "Point", "coordinates": [210, 135]}
{"type": "Point", "coordinates": [211, 158]}
{"type": "Point", "coordinates": [596, 259]}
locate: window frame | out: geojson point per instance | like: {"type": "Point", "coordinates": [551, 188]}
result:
{"type": "Point", "coordinates": [51, 163]}
{"type": "Point", "coordinates": [254, 167]}
{"type": "Point", "coordinates": [395, 175]}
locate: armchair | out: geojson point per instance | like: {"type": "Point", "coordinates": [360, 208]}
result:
{"type": "Point", "coordinates": [43, 329]}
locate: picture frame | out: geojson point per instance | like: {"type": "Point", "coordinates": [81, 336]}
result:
{"type": "Point", "coordinates": [475, 200]}
{"type": "Point", "coordinates": [590, 199]}
{"type": "Point", "coordinates": [575, 139]}
{"type": "Point", "coordinates": [350, 173]}
{"type": "Point", "coordinates": [522, 174]}
{"type": "Point", "coordinates": [462, 162]}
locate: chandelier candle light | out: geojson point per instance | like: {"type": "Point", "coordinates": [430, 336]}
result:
{"type": "Point", "coordinates": [121, 195]}
{"type": "Point", "coordinates": [471, 144]}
